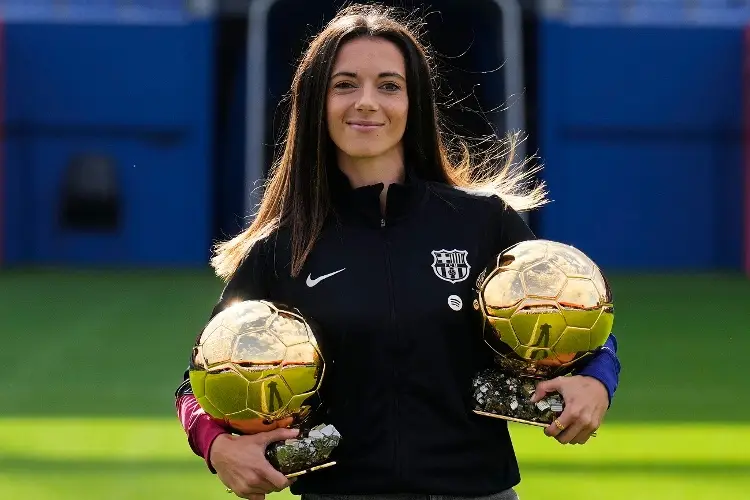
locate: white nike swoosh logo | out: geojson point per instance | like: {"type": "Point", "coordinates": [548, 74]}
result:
{"type": "Point", "coordinates": [312, 282]}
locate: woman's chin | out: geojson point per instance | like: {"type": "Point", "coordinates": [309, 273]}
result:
{"type": "Point", "coordinates": [364, 153]}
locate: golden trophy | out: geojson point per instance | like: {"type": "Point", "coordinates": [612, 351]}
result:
{"type": "Point", "coordinates": [545, 307]}
{"type": "Point", "coordinates": [257, 365]}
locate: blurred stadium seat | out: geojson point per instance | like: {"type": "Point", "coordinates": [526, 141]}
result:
{"type": "Point", "coordinates": [91, 195]}
{"type": "Point", "coordinates": [642, 131]}
{"type": "Point", "coordinates": [128, 82]}
{"type": "Point", "coordinates": [109, 11]}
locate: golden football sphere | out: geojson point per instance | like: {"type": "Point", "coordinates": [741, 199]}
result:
{"type": "Point", "coordinates": [256, 363]}
{"type": "Point", "coordinates": [545, 305]}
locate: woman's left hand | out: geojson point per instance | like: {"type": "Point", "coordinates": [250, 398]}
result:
{"type": "Point", "coordinates": [586, 402]}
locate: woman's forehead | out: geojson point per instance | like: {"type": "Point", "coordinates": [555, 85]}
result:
{"type": "Point", "coordinates": [369, 55]}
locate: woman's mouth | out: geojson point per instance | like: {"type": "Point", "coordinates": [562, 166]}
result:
{"type": "Point", "coordinates": [364, 125]}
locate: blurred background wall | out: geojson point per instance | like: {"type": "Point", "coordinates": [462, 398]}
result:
{"type": "Point", "coordinates": [125, 133]}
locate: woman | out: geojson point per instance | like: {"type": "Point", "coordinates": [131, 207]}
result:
{"type": "Point", "coordinates": [358, 212]}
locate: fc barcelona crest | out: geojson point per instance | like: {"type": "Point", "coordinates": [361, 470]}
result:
{"type": "Point", "coordinates": [451, 265]}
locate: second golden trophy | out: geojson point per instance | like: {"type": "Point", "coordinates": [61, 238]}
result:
{"type": "Point", "coordinates": [545, 308]}
{"type": "Point", "coordinates": [258, 365]}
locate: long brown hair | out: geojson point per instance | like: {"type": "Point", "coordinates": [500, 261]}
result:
{"type": "Point", "coordinates": [297, 194]}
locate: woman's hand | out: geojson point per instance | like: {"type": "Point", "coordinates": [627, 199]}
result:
{"type": "Point", "coordinates": [241, 464]}
{"type": "Point", "coordinates": [586, 402]}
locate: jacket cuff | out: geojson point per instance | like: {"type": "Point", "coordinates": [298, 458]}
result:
{"type": "Point", "coordinates": [202, 436]}
{"type": "Point", "coordinates": [604, 367]}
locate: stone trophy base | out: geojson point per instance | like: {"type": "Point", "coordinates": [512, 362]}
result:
{"type": "Point", "coordinates": [501, 395]}
{"type": "Point", "coordinates": [306, 453]}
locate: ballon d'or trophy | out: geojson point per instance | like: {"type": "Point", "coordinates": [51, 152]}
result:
{"type": "Point", "coordinates": [258, 364]}
{"type": "Point", "coordinates": [545, 308]}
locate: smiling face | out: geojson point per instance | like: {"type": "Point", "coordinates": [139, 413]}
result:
{"type": "Point", "coordinates": [367, 103]}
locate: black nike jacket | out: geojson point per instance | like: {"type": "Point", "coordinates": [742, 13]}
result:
{"type": "Point", "coordinates": [393, 298]}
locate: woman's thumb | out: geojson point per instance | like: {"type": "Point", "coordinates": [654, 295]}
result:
{"type": "Point", "coordinates": [545, 387]}
{"type": "Point", "coordinates": [280, 434]}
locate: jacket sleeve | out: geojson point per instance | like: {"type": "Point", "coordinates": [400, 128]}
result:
{"type": "Point", "coordinates": [604, 365]}
{"type": "Point", "coordinates": [248, 283]}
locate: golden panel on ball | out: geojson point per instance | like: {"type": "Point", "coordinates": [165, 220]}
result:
{"type": "Point", "coordinates": [570, 260]}
{"type": "Point", "coordinates": [600, 281]}
{"type": "Point", "coordinates": [538, 326]}
{"type": "Point", "coordinates": [603, 327]}
{"type": "Point", "coordinates": [545, 304]}
{"type": "Point", "coordinates": [520, 256]}
{"type": "Point", "coordinates": [543, 280]}
{"type": "Point", "coordinates": [580, 302]}
{"type": "Point", "coordinates": [248, 315]}
{"type": "Point", "coordinates": [216, 346]}
{"type": "Point", "coordinates": [256, 362]}
{"type": "Point", "coordinates": [568, 346]}
{"type": "Point", "coordinates": [299, 366]}
{"type": "Point", "coordinates": [258, 349]}
{"type": "Point", "coordinates": [226, 390]}
{"type": "Point", "coordinates": [269, 397]}
{"type": "Point", "coordinates": [503, 331]}
{"type": "Point", "coordinates": [503, 292]}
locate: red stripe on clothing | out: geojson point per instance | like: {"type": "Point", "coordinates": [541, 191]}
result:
{"type": "Point", "coordinates": [200, 428]}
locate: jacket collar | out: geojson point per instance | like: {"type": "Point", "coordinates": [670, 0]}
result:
{"type": "Point", "coordinates": [362, 205]}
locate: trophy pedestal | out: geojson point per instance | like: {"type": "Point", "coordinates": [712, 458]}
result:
{"type": "Point", "coordinates": [308, 452]}
{"type": "Point", "coordinates": [311, 469]}
{"type": "Point", "coordinates": [498, 394]}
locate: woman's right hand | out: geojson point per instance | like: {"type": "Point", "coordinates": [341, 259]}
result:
{"type": "Point", "coordinates": [241, 464]}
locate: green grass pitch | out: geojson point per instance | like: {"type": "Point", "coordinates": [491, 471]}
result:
{"type": "Point", "coordinates": [91, 359]}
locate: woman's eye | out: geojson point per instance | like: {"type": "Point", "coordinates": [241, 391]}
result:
{"type": "Point", "coordinates": [391, 87]}
{"type": "Point", "coordinates": [343, 85]}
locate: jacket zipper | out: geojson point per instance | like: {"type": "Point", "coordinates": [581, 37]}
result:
{"type": "Point", "coordinates": [395, 363]}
